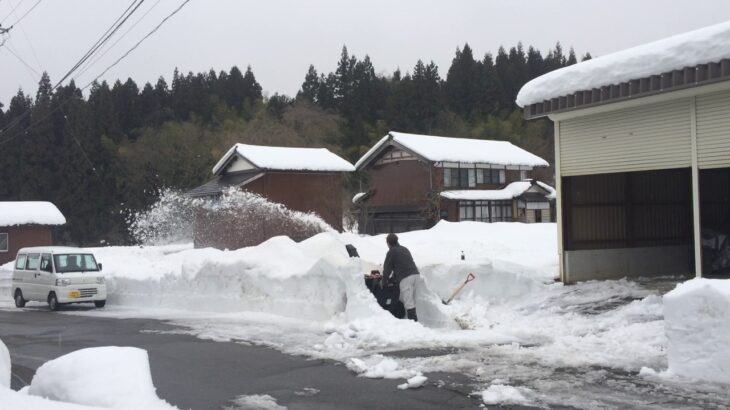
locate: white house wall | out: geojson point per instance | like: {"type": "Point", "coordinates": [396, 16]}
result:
{"type": "Point", "coordinates": [650, 137]}
{"type": "Point", "coordinates": [240, 164]}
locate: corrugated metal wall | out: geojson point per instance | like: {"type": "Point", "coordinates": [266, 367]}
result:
{"type": "Point", "coordinates": [713, 130]}
{"type": "Point", "coordinates": [656, 136]}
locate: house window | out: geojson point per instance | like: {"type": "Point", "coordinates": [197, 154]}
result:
{"type": "Point", "coordinates": [491, 176]}
{"type": "Point", "coordinates": [4, 242]}
{"type": "Point", "coordinates": [460, 177]}
{"type": "Point", "coordinates": [485, 211]}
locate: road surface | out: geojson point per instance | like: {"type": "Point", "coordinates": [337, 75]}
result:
{"type": "Point", "coordinates": [200, 374]}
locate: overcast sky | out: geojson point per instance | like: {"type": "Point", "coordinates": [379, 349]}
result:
{"type": "Point", "coordinates": [279, 39]}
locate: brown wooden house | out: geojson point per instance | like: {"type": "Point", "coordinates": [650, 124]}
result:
{"type": "Point", "coordinates": [417, 180]}
{"type": "Point", "coordinates": [302, 179]}
{"type": "Point", "coordinates": [26, 223]}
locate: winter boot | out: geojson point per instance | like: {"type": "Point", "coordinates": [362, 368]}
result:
{"type": "Point", "coordinates": [411, 314]}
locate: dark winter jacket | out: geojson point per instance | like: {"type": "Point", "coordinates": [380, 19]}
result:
{"type": "Point", "coordinates": [399, 263]}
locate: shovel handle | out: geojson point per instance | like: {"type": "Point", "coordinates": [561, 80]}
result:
{"type": "Point", "coordinates": [470, 277]}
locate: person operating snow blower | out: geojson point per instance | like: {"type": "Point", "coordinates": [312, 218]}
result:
{"type": "Point", "coordinates": [399, 263]}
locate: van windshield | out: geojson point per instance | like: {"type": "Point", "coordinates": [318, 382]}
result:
{"type": "Point", "coordinates": [80, 262]}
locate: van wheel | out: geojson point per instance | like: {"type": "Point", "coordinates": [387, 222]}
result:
{"type": "Point", "coordinates": [19, 301]}
{"type": "Point", "coordinates": [53, 301]}
{"type": "Point", "coordinates": [99, 303]}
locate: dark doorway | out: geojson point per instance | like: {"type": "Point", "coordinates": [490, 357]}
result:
{"type": "Point", "coordinates": [715, 220]}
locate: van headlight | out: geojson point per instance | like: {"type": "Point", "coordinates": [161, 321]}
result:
{"type": "Point", "coordinates": [100, 280]}
{"type": "Point", "coordinates": [63, 282]}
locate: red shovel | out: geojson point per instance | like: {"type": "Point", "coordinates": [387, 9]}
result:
{"type": "Point", "coordinates": [470, 277]}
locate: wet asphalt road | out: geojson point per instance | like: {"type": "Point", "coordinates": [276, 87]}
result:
{"type": "Point", "coordinates": [200, 374]}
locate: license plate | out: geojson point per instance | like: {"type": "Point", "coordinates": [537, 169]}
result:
{"type": "Point", "coordinates": [74, 294]}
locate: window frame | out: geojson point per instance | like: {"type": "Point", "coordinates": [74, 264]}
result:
{"type": "Point", "coordinates": [25, 258]}
{"type": "Point", "coordinates": [27, 261]}
{"type": "Point", "coordinates": [50, 262]}
{"type": "Point", "coordinates": [7, 242]}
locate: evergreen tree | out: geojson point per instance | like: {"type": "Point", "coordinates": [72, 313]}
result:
{"type": "Point", "coordinates": [310, 86]}
{"type": "Point", "coordinates": [463, 97]}
{"type": "Point", "coordinates": [571, 58]}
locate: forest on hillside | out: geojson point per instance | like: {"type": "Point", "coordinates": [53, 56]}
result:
{"type": "Point", "coordinates": [106, 155]}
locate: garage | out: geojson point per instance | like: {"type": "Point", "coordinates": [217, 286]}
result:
{"type": "Point", "coordinates": [642, 159]}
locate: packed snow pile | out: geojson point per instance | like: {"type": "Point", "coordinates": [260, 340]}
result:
{"type": "Point", "coordinates": [172, 217]}
{"type": "Point", "coordinates": [503, 394]}
{"type": "Point", "coordinates": [698, 328]}
{"type": "Point", "coordinates": [4, 366]}
{"type": "Point", "coordinates": [709, 44]}
{"type": "Point", "coordinates": [87, 379]}
{"type": "Point", "coordinates": [108, 377]}
{"type": "Point", "coordinates": [315, 280]}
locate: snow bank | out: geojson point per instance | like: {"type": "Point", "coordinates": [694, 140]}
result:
{"type": "Point", "coordinates": [4, 366]}
{"type": "Point", "coordinates": [10, 399]}
{"type": "Point", "coordinates": [315, 280]}
{"type": "Point", "coordinates": [30, 212]}
{"type": "Point", "coordinates": [107, 377]}
{"type": "Point", "coordinates": [709, 44]}
{"type": "Point", "coordinates": [698, 328]}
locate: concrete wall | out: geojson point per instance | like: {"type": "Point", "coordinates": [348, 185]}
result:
{"type": "Point", "coordinates": [626, 262]}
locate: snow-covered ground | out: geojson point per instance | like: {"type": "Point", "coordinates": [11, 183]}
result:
{"type": "Point", "coordinates": [95, 378]}
{"type": "Point", "coordinates": [524, 338]}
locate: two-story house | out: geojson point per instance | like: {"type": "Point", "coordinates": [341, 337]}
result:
{"type": "Point", "coordinates": [417, 180]}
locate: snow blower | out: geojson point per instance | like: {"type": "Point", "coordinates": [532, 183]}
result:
{"type": "Point", "coordinates": [470, 277]}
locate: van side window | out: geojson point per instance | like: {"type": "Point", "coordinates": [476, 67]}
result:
{"type": "Point", "coordinates": [20, 263]}
{"type": "Point", "coordinates": [46, 263]}
{"type": "Point", "coordinates": [33, 261]}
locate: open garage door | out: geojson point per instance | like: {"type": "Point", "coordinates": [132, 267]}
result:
{"type": "Point", "coordinates": [627, 224]}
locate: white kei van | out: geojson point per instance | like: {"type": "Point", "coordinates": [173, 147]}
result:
{"type": "Point", "coordinates": [57, 275]}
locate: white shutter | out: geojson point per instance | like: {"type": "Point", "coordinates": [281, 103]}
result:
{"type": "Point", "coordinates": [713, 130]}
{"type": "Point", "coordinates": [502, 178]}
{"type": "Point", "coordinates": [655, 136]}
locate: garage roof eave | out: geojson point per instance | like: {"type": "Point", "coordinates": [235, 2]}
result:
{"type": "Point", "coordinates": [689, 77]}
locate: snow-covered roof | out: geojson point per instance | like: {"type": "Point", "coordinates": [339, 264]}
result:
{"type": "Point", "coordinates": [14, 213]}
{"type": "Point", "coordinates": [513, 190]}
{"type": "Point", "coordinates": [286, 159]}
{"type": "Point", "coordinates": [706, 45]}
{"type": "Point", "coordinates": [447, 149]}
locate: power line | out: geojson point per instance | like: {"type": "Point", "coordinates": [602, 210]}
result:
{"type": "Point", "coordinates": [27, 39]}
{"type": "Point", "coordinates": [61, 103]}
{"type": "Point", "coordinates": [26, 13]}
{"type": "Point", "coordinates": [103, 39]}
{"type": "Point", "coordinates": [11, 12]}
{"type": "Point", "coordinates": [9, 47]}
{"type": "Point", "coordinates": [139, 42]}
{"type": "Point", "coordinates": [100, 56]}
